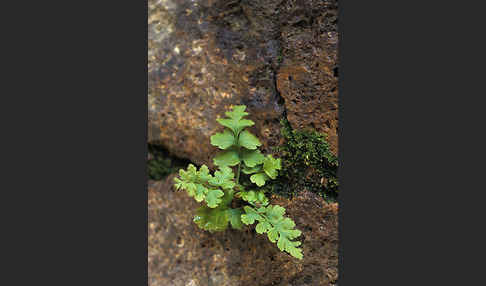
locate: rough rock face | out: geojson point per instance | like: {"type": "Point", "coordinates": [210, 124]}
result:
{"type": "Point", "coordinates": [271, 55]}
{"type": "Point", "coordinates": [214, 57]}
{"type": "Point", "coordinates": [181, 254]}
{"type": "Point", "coordinates": [308, 77]}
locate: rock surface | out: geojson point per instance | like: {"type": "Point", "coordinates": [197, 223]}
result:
{"type": "Point", "coordinates": [308, 77]}
{"type": "Point", "coordinates": [271, 55]}
{"type": "Point", "coordinates": [181, 254]}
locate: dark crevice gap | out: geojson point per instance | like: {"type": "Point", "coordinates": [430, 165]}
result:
{"type": "Point", "coordinates": [161, 163]}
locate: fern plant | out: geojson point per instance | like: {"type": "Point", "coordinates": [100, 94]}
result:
{"type": "Point", "coordinates": [229, 200]}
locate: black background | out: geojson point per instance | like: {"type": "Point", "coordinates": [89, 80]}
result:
{"type": "Point", "coordinates": [74, 131]}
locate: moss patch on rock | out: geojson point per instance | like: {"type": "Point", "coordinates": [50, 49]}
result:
{"type": "Point", "coordinates": [307, 163]}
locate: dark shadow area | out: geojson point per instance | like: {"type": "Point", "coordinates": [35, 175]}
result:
{"type": "Point", "coordinates": [161, 163]}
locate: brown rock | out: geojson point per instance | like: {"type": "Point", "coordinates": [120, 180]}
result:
{"type": "Point", "coordinates": [181, 254]}
{"type": "Point", "coordinates": [206, 55]}
{"type": "Point", "coordinates": [213, 58]}
{"type": "Point", "coordinates": [308, 76]}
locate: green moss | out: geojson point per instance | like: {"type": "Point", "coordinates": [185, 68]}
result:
{"type": "Point", "coordinates": [307, 163]}
{"type": "Point", "coordinates": [161, 163]}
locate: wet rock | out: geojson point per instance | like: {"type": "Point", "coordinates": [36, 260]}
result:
{"type": "Point", "coordinates": [181, 254]}
{"type": "Point", "coordinates": [272, 55]}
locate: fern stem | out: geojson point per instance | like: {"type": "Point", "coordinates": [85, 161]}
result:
{"type": "Point", "coordinates": [238, 173]}
{"type": "Point", "coordinates": [239, 156]}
